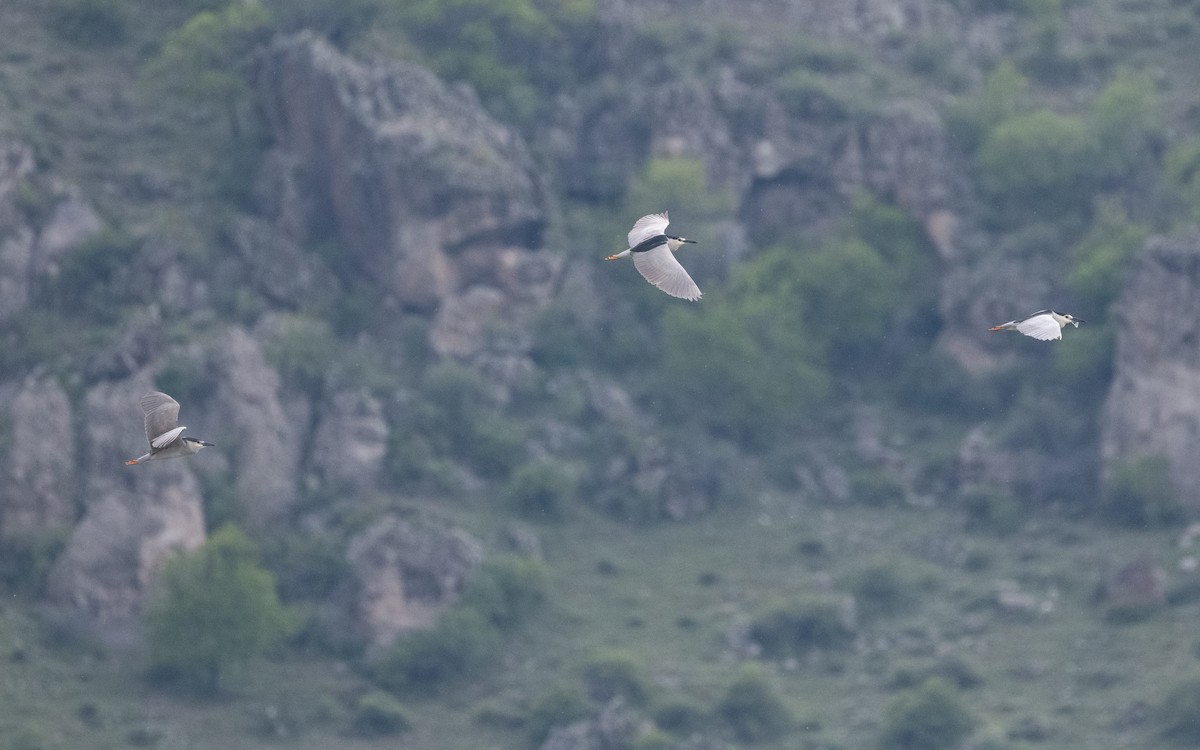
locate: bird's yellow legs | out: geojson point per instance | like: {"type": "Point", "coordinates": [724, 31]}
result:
{"type": "Point", "coordinates": [611, 257]}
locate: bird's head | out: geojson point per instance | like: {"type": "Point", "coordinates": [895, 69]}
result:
{"type": "Point", "coordinates": [196, 444]}
{"type": "Point", "coordinates": [676, 242]}
{"type": "Point", "coordinates": [1073, 320]}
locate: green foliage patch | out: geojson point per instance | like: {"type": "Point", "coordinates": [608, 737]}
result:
{"type": "Point", "coordinates": [752, 708]}
{"type": "Point", "coordinates": [216, 607]}
{"type": "Point", "coordinates": [931, 717]}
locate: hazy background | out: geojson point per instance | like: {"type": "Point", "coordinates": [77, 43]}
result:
{"type": "Point", "coordinates": [475, 488]}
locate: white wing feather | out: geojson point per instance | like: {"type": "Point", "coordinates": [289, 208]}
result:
{"type": "Point", "coordinates": [647, 227]}
{"type": "Point", "coordinates": [1041, 327]}
{"type": "Point", "coordinates": [662, 270]}
{"type": "Point", "coordinates": [165, 439]}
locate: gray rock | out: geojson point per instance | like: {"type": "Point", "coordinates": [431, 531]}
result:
{"type": "Point", "coordinates": [1139, 585]}
{"type": "Point", "coordinates": [404, 574]}
{"type": "Point", "coordinates": [123, 540]}
{"type": "Point", "coordinates": [278, 267]}
{"type": "Point", "coordinates": [1153, 404]}
{"type": "Point", "coordinates": [37, 488]}
{"type": "Point", "coordinates": [263, 442]}
{"type": "Point", "coordinates": [351, 440]}
{"type": "Point", "coordinates": [409, 172]}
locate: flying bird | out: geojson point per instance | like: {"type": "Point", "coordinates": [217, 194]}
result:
{"type": "Point", "coordinates": [164, 431]}
{"type": "Point", "coordinates": [1043, 325]}
{"type": "Point", "coordinates": [653, 254]}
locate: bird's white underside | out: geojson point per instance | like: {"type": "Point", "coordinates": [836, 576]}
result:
{"type": "Point", "coordinates": [662, 270]}
{"type": "Point", "coordinates": [1041, 327]}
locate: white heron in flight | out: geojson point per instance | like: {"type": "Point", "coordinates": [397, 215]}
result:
{"type": "Point", "coordinates": [1043, 325]}
{"type": "Point", "coordinates": [164, 431]}
{"type": "Point", "coordinates": [653, 252]}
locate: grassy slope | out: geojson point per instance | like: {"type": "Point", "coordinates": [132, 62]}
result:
{"type": "Point", "coordinates": [1067, 671]}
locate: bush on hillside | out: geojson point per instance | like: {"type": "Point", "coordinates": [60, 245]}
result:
{"type": "Point", "coordinates": [795, 628]}
{"type": "Point", "coordinates": [1178, 715]}
{"type": "Point", "coordinates": [1139, 494]}
{"type": "Point", "coordinates": [931, 717]}
{"type": "Point", "coordinates": [753, 709]}
{"type": "Point", "coordinates": [216, 607]}
{"type": "Point", "coordinates": [615, 674]}
{"type": "Point", "coordinates": [1040, 162]}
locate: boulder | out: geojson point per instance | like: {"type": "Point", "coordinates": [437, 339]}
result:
{"type": "Point", "coordinates": [1137, 586]}
{"type": "Point", "coordinates": [404, 574]}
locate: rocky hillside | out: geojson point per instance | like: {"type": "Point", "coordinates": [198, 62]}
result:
{"type": "Point", "coordinates": [361, 244]}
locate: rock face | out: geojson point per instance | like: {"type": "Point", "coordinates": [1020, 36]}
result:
{"type": "Point", "coordinates": [135, 518]}
{"type": "Point", "coordinates": [411, 175]}
{"type": "Point", "coordinates": [31, 245]}
{"type": "Point", "coordinates": [1153, 405]}
{"type": "Point", "coordinates": [405, 573]}
{"type": "Point", "coordinates": [37, 488]}
{"type": "Point", "coordinates": [264, 443]}
{"type": "Point", "coordinates": [351, 440]}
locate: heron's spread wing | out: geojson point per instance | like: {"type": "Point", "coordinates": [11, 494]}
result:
{"type": "Point", "coordinates": [162, 415]}
{"type": "Point", "coordinates": [1042, 327]}
{"type": "Point", "coordinates": [647, 227]}
{"type": "Point", "coordinates": [662, 270]}
{"type": "Point", "coordinates": [165, 439]}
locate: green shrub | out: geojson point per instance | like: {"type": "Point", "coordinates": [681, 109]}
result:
{"type": "Point", "coordinates": [26, 559]}
{"type": "Point", "coordinates": [753, 709]}
{"type": "Point", "coordinates": [615, 674]}
{"type": "Point", "coordinates": [425, 661]}
{"type": "Point", "coordinates": [1004, 94]}
{"type": "Point", "coordinates": [506, 49]}
{"type": "Point", "coordinates": [91, 23]}
{"type": "Point", "coordinates": [377, 714]}
{"type": "Point", "coordinates": [542, 491]}
{"type": "Point", "coordinates": [91, 283]}
{"type": "Point", "coordinates": [496, 445]}
{"type": "Point", "coordinates": [1102, 256]}
{"type": "Point", "coordinates": [804, 93]}
{"type": "Point", "coordinates": [992, 510]}
{"type": "Point", "coordinates": [1127, 118]}
{"type": "Point", "coordinates": [1178, 715]}
{"type": "Point", "coordinates": [216, 607]}
{"type": "Point", "coordinates": [505, 590]}
{"type": "Point", "coordinates": [302, 351]}
{"type": "Point", "coordinates": [1181, 167]}
{"type": "Point", "coordinates": [794, 628]}
{"type": "Point", "coordinates": [931, 717]}
{"type": "Point", "coordinates": [1042, 160]}
{"type": "Point", "coordinates": [876, 489]}
{"type": "Point", "coordinates": [1139, 493]}
{"type": "Point", "coordinates": [680, 717]}
{"type": "Point", "coordinates": [885, 588]}
{"type": "Point", "coordinates": [652, 739]}
{"type": "Point", "coordinates": [555, 709]}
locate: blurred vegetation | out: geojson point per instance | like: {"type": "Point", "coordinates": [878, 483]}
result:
{"type": "Point", "coordinates": [1079, 151]}
{"type": "Point", "coordinates": [217, 608]}
{"type": "Point", "coordinates": [930, 717]}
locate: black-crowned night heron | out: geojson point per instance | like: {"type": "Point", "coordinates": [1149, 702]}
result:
{"type": "Point", "coordinates": [1043, 325]}
{"type": "Point", "coordinates": [653, 254]}
{"type": "Point", "coordinates": [164, 431]}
